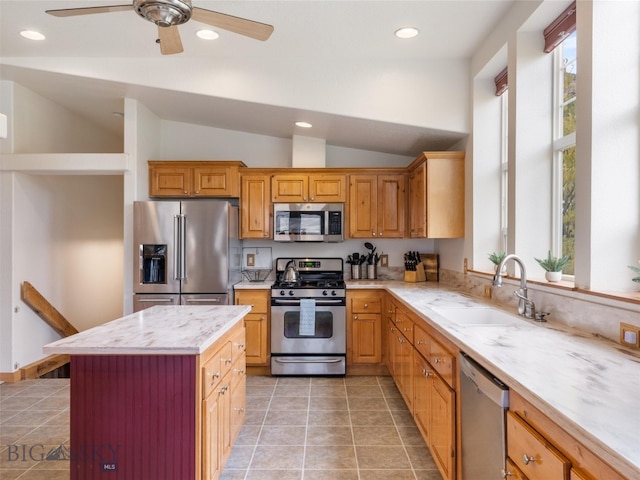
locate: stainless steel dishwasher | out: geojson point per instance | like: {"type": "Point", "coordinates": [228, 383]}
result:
{"type": "Point", "coordinates": [484, 400]}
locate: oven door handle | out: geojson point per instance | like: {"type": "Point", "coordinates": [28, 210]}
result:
{"type": "Point", "coordinates": [319, 303]}
{"type": "Point", "coordinates": [319, 360]}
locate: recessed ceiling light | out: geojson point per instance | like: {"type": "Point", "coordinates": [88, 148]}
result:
{"type": "Point", "coordinates": [303, 124]}
{"type": "Point", "coordinates": [32, 35]}
{"type": "Point", "coordinates": [207, 34]}
{"type": "Point", "coordinates": [406, 32]}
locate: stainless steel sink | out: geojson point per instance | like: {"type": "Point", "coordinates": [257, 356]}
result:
{"type": "Point", "coordinates": [478, 316]}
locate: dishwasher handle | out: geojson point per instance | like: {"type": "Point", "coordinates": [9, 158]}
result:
{"type": "Point", "coordinates": [484, 381]}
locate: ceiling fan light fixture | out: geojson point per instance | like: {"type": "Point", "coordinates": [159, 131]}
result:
{"type": "Point", "coordinates": [164, 13]}
{"type": "Point", "coordinates": [406, 32]}
{"type": "Point", "coordinates": [32, 35]}
{"type": "Point", "coordinates": [207, 34]}
{"type": "Point", "coordinates": [303, 125]}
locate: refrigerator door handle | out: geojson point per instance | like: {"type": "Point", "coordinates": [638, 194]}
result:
{"type": "Point", "coordinates": [177, 273]}
{"type": "Point", "coordinates": [183, 246]}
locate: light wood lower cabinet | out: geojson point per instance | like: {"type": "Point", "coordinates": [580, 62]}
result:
{"type": "Point", "coordinates": [257, 325]}
{"type": "Point", "coordinates": [364, 327]}
{"type": "Point", "coordinates": [224, 400]}
{"type": "Point", "coordinates": [540, 449]}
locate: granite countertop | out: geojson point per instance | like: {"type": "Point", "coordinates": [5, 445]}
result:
{"type": "Point", "coordinates": [159, 330]}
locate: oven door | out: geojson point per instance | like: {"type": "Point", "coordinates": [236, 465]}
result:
{"type": "Point", "coordinates": [293, 334]}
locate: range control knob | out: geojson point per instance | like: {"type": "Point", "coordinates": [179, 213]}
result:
{"type": "Point", "coordinates": [291, 294]}
{"type": "Point", "coordinates": [334, 293]}
{"type": "Point", "coordinates": [325, 293]}
{"type": "Point", "coordinates": [282, 292]}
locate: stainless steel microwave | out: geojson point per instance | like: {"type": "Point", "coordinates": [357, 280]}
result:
{"type": "Point", "coordinates": [308, 222]}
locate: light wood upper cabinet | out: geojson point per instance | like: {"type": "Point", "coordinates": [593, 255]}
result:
{"type": "Point", "coordinates": [255, 206]}
{"type": "Point", "coordinates": [302, 187]}
{"type": "Point", "coordinates": [377, 205]}
{"type": "Point", "coordinates": [194, 179]}
{"type": "Point", "coordinates": [436, 195]}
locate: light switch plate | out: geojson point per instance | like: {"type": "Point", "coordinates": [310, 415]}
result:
{"type": "Point", "coordinates": [384, 260]}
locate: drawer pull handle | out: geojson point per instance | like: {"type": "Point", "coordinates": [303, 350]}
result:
{"type": "Point", "coordinates": [240, 345]}
{"type": "Point", "coordinates": [437, 360]}
{"type": "Point", "coordinates": [228, 361]}
{"type": "Point", "coordinates": [420, 342]}
{"type": "Point", "coordinates": [239, 410]}
{"type": "Point", "coordinates": [527, 459]}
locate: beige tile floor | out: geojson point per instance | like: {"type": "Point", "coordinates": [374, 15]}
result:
{"type": "Point", "coordinates": [353, 428]}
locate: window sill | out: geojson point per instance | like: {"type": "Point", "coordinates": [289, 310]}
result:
{"type": "Point", "coordinates": [567, 286]}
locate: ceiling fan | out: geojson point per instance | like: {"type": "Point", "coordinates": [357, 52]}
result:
{"type": "Point", "coordinates": [168, 14]}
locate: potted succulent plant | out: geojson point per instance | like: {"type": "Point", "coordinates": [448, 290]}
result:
{"type": "Point", "coordinates": [496, 258]}
{"type": "Point", "coordinates": [553, 266]}
{"type": "Point", "coordinates": [637, 270]}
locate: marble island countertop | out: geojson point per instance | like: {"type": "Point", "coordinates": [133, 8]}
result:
{"type": "Point", "coordinates": [159, 330]}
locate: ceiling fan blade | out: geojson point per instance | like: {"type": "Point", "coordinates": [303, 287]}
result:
{"type": "Point", "coordinates": [242, 26]}
{"type": "Point", "coordinates": [170, 42]}
{"type": "Point", "coordinates": [70, 12]}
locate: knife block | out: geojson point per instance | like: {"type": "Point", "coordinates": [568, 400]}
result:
{"type": "Point", "coordinates": [415, 276]}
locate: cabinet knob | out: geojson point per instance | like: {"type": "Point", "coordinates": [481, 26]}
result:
{"type": "Point", "coordinates": [197, 192]}
{"type": "Point", "coordinates": [355, 317]}
{"type": "Point", "coordinates": [265, 234]}
{"type": "Point", "coordinates": [366, 305]}
{"type": "Point", "coordinates": [185, 192]}
{"type": "Point", "coordinates": [313, 198]}
{"type": "Point", "coordinates": [527, 459]}
{"type": "Point", "coordinates": [380, 234]}
{"type": "Point", "coordinates": [373, 234]}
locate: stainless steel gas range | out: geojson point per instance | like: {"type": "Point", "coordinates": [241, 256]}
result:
{"type": "Point", "coordinates": [308, 318]}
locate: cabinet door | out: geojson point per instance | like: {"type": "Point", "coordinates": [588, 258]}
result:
{"type": "Point", "coordinates": [405, 367]}
{"type": "Point", "coordinates": [238, 399]}
{"type": "Point", "coordinates": [255, 207]}
{"type": "Point", "coordinates": [418, 202]}
{"type": "Point", "coordinates": [366, 342]}
{"type": "Point", "coordinates": [391, 209]}
{"type": "Point", "coordinates": [392, 331]}
{"type": "Point", "coordinates": [422, 378]}
{"type": "Point", "coordinates": [211, 460]}
{"type": "Point", "coordinates": [327, 188]}
{"type": "Point", "coordinates": [445, 197]}
{"type": "Point", "coordinates": [170, 181]}
{"type": "Point", "coordinates": [442, 427]}
{"type": "Point", "coordinates": [212, 181]}
{"type": "Point", "coordinates": [290, 188]}
{"type": "Point", "coordinates": [363, 203]}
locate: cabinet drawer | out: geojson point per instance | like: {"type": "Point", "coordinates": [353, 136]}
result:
{"type": "Point", "coordinates": [216, 368]}
{"type": "Point", "coordinates": [421, 341]}
{"type": "Point", "coordinates": [513, 472]}
{"type": "Point", "coordinates": [442, 361]}
{"type": "Point", "coordinates": [258, 300]}
{"type": "Point", "coordinates": [366, 305]}
{"type": "Point", "coordinates": [532, 454]}
{"type": "Point", "coordinates": [238, 345]}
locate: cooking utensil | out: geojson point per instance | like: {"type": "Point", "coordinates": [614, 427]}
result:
{"type": "Point", "coordinates": [291, 274]}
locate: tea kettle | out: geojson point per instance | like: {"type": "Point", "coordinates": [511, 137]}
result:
{"type": "Point", "coordinates": [291, 274]}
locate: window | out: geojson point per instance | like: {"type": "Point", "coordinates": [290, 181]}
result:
{"type": "Point", "coordinates": [564, 143]}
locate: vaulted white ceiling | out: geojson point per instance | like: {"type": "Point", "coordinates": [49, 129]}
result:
{"type": "Point", "coordinates": [311, 68]}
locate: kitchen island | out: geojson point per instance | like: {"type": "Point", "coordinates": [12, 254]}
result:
{"type": "Point", "coordinates": [156, 394]}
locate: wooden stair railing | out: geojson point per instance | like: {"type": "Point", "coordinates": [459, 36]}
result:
{"type": "Point", "coordinates": [55, 320]}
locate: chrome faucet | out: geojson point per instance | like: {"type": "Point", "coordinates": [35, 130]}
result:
{"type": "Point", "coordinates": [526, 307]}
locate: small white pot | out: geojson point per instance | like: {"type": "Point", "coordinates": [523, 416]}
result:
{"type": "Point", "coordinates": [553, 276]}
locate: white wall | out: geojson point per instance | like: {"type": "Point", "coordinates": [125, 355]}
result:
{"type": "Point", "coordinates": [68, 237]}
{"type": "Point", "coordinates": [39, 125]}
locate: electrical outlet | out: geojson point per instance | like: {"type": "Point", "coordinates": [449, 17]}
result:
{"type": "Point", "coordinates": [384, 260]}
{"type": "Point", "coordinates": [487, 291]}
{"type": "Point", "coordinates": [629, 335]}
{"type": "Point", "coordinates": [251, 260]}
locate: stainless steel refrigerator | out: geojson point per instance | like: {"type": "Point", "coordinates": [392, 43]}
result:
{"type": "Point", "coordinates": [185, 253]}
